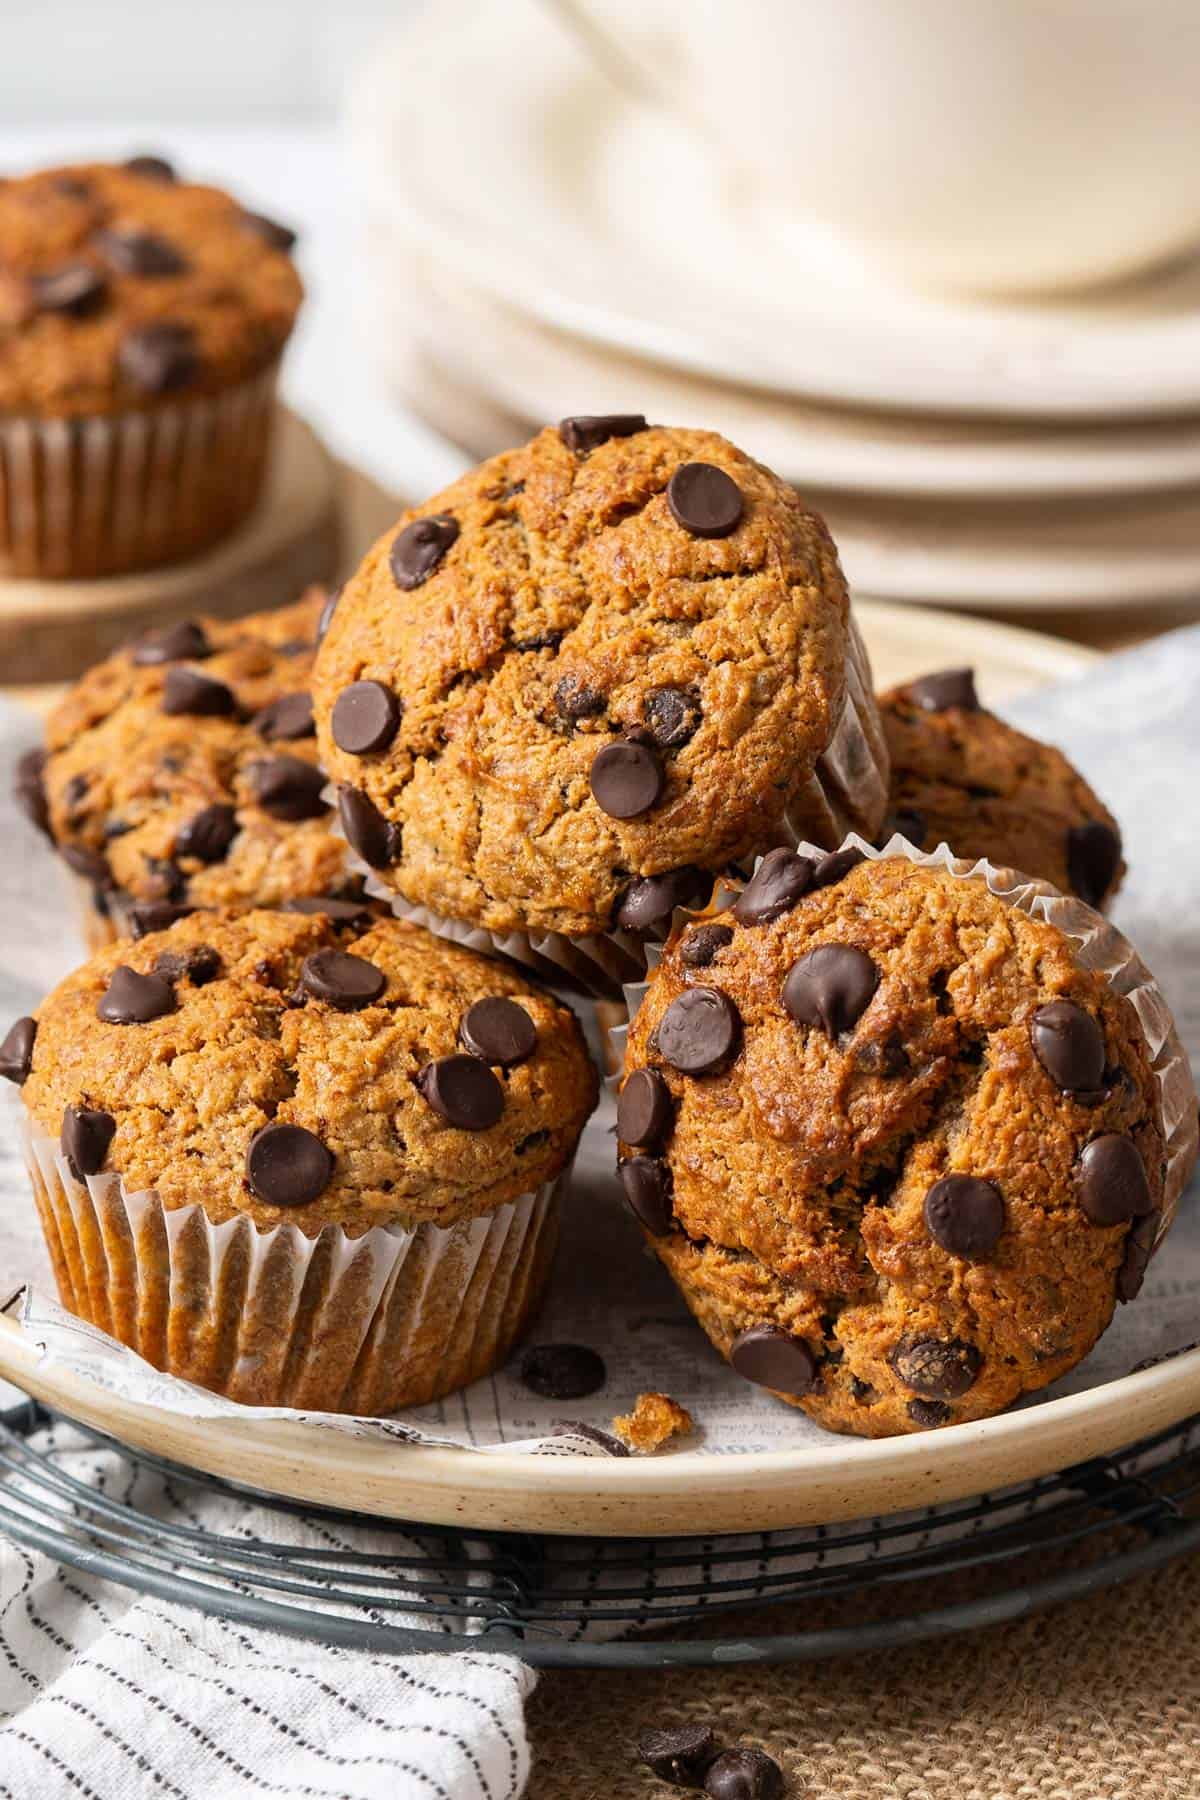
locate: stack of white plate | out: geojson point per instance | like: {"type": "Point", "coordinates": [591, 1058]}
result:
{"type": "Point", "coordinates": [541, 243]}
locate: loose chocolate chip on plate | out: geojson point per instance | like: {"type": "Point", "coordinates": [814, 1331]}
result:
{"type": "Point", "coordinates": [1069, 1045]}
{"type": "Point", "coordinates": [152, 168]}
{"type": "Point", "coordinates": [199, 964]}
{"type": "Point", "coordinates": [649, 902]}
{"type": "Point", "coordinates": [830, 987]}
{"type": "Point", "coordinates": [587, 431]}
{"type": "Point", "coordinates": [156, 915]}
{"type": "Point", "coordinates": [644, 1109]}
{"type": "Point", "coordinates": [563, 1371]}
{"type": "Point", "coordinates": [700, 947]}
{"type": "Point", "coordinates": [332, 907]}
{"type": "Point", "coordinates": [287, 1165]}
{"type": "Point", "coordinates": [184, 641]}
{"type": "Point", "coordinates": [76, 289]}
{"type": "Point", "coordinates": [1139, 1247]}
{"type": "Point", "coordinates": [672, 715]}
{"type": "Point", "coordinates": [744, 1774]}
{"type": "Point", "coordinates": [627, 779]}
{"type": "Point", "coordinates": [133, 252]}
{"type": "Point", "coordinates": [86, 1135]}
{"type": "Point", "coordinates": [929, 1413]}
{"type": "Point", "coordinates": [463, 1091]}
{"type": "Point", "coordinates": [681, 1754]}
{"type": "Point", "coordinates": [936, 1368]}
{"type": "Point", "coordinates": [780, 879]}
{"type": "Point", "coordinates": [345, 981]}
{"type": "Point", "coordinates": [420, 547]}
{"type": "Point", "coordinates": [498, 1030]}
{"type": "Point", "coordinates": [699, 1031]}
{"type": "Point", "coordinates": [327, 612]}
{"type": "Point", "coordinates": [159, 358]}
{"type": "Point", "coordinates": [829, 870]}
{"type": "Point", "coordinates": [945, 689]}
{"type": "Point", "coordinates": [772, 1358]}
{"type": "Point", "coordinates": [16, 1052]}
{"type": "Point", "coordinates": [646, 1181]}
{"type": "Point", "coordinates": [289, 717]}
{"type": "Point", "coordinates": [288, 788]}
{"type": "Point", "coordinates": [1093, 857]}
{"type": "Point", "coordinates": [133, 999]}
{"type": "Point", "coordinates": [366, 717]}
{"type": "Point", "coordinates": [272, 233]}
{"type": "Point", "coordinates": [376, 840]}
{"type": "Point", "coordinates": [29, 789]}
{"type": "Point", "coordinates": [187, 692]}
{"type": "Point", "coordinates": [1112, 1181]}
{"type": "Point", "coordinates": [574, 699]}
{"type": "Point", "coordinates": [704, 500]}
{"type": "Point", "coordinates": [965, 1216]}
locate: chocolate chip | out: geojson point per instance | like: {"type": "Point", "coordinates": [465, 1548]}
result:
{"type": "Point", "coordinates": [272, 233]}
{"type": "Point", "coordinates": [1112, 1181]}
{"type": "Point", "coordinates": [774, 1359]}
{"type": "Point", "coordinates": [367, 831]}
{"type": "Point", "coordinates": [574, 699]}
{"type": "Point", "coordinates": [499, 1031]}
{"type": "Point", "coordinates": [287, 1165]}
{"type": "Point", "coordinates": [780, 879]}
{"type": "Point", "coordinates": [744, 1774]}
{"type": "Point", "coordinates": [186, 691]}
{"type": "Point", "coordinates": [29, 789]}
{"type": "Point", "coordinates": [288, 717]}
{"type": "Point", "coordinates": [907, 823]}
{"type": "Point", "coordinates": [345, 981]}
{"type": "Point", "coordinates": [128, 251]}
{"type": "Point", "coordinates": [1069, 1045]}
{"type": "Point", "coordinates": [1139, 1247]}
{"type": "Point", "coordinates": [587, 431]}
{"type": "Point", "coordinates": [646, 1181]}
{"type": "Point", "coordinates": [463, 1091]}
{"type": "Point", "coordinates": [680, 1755]}
{"type": "Point", "coordinates": [1093, 858]}
{"type": "Point", "coordinates": [649, 903]}
{"type": "Point", "coordinates": [151, 168]}
{"type": "Point", "coordinates": [420, 547]}
{"type": "Point", "coordinates": [76, 289]}
{"type": "Point", "coordinates": [830, 987]}
{"type": "Point", "coordinates": [563, 1371]}
{"type": "Point", "coordinates": [16, 1052]}
{"type": "Point", "coordinates": [165, 879]}
{"type": "Point", "coordinates": [366, 717]}
{"type": "Point", "coordinates": [936, 1368]}
{"type": "Point", "coordinates": [700, 947]}
{"type": "Point", "coordinates": [89, 865]}
{"type": "Point", "coordinates": [156, 915]}
{"type": "Point", "coordinates": [133, 999]}
{"type": "Point", "coordinates": [644, 1110]}
{"type": "Point", "coordinates": [704, 500]}
{"type": "Point", "coordinates": [199, 964]}
{"type": "Point", "coordinates": [287, 787]}
{"type": "Point", "coordinates": [965, 1216]}
{"type": "Point", "coordinates": [184, 641]}
{"type": "Point", "coordinates": [829, 870]}
{"type": "Point", "coordinates": [85, 1138]}
{"type": "Point", "coordinates": [627, 779]}
{"type": "Point", "coordinates": [327, 612]}
{"type": "Point", "coordinates": [672, 715]}
{"type": "Point", "coordinates": [330, 906]}
{"type": "Point", "coordinates": [948, 688]}
{"type": "Point", "coordinates": [699, 1031]}
{"type": "Point", "coordinates": [159, 358]}
{"type": "Point", "coordinates": [929, 1413]}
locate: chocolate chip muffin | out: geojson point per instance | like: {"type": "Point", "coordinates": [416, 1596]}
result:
{"type": "Point", "coordinates": [592, 673]}
{"type": "Point", "coordinates": [962, 777]}
{"type": "Point", "coordinates": [182, 772]}
{"type": "Point", "coordinates": [898, 1140]}
{"type": "Point", "coordinates": [302, 1160]}
{"type": "Point", "coordinates": [142, 319]}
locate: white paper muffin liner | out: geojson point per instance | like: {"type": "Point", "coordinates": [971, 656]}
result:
{"type": "Point", "coordinates": [364, 1325]}
{"type": "Point", "coordinates": [111, 493]}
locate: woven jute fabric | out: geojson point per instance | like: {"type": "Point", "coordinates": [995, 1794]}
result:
{"type": "Point", "coordinates": [1097, 1700]}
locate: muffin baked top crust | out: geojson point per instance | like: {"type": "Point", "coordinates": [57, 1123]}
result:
{"type": "Point", "coordinates": [614, 654]}
{"type": "Point", "coordinates": [296, 1068]}
{"type": "Point", "coordinates": [121, 286]}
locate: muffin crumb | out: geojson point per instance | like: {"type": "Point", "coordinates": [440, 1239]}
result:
{"type": "Point", "coordinates": [654, 1421]}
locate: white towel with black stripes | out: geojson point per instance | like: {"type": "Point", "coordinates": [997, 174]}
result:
{"type": "Point", "coordinates": [105, 1695]}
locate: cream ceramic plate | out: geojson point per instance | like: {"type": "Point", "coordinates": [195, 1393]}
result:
{"type": "Point", "coordinates": [483, 131]}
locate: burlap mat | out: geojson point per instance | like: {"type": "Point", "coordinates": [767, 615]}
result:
{"type": "Point", "coordinates": [1097, 1700]}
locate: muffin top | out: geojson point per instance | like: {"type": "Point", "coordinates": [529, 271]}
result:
{"type": "Point", "coordinates": [961, 776]}
{"type": "Point", "coordinates": [183, 769]}
{"type": "Point", "coordinates": [876, 1111]}
{"type": "Point", "coordinates": [616, 653]}
{"type": "Point", "coordinates": [290, 1068]}
{"type": "Point", "coordinates": [121, 287]}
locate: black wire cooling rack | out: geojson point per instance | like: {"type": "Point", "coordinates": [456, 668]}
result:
{"type": "Point", "coordinates": [601, 1602]}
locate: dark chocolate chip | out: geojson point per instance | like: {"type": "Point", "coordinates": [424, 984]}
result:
{"type": "Point", "coordinates": [128, 251]}
{"type": "Point", "coordinates": [700, 947]}
{"type": "Point", "coordinates": [327, 612]}
{"type": "Point", "coordinates": [345, 981]}
{"type": "Point", "coordinates": [86, 1136]}
{"type": "Point", "coordinates": [152, 168]}
{"type": "Point", "coordinates": [908, 823]}
{"type": "Point", "coordinates": [563, 1371]}
{"type": "Point", "coordinates": [605, 1439]}
{"type": "Point", "coordinates": [366, 717]}
{"type": "Point", "coordinates": [287, 1165]}
{"type": "Point", "coordinates": [287, 787]}
{"type": "Point", "coordinates": [649, 902]}
{"type": "Point", "coordinates": [773, 1358]}
{"type": "Point", "coordinates": [672, 715]}
{"type": "Point", "coordinates": [699, 1032]}
{"type": "Point", "coordinates": [1139, 1248]}
{"type": "Point", "coordinates": [744, 1774]}
{"type": "Point", "coordinates": [830, 987]}
{"type": "Point", "coordinates": [1093, 858]}
{"type": "Point", "coordinates": [542, 640]}
{"type": "Point", "coordinates": [332, 907]}
{"type": "Point", "coordinates": [89, 865]}
{"type": "Point", "coordinates": [965, 1216]}
{"type": "Point", "coordinates": [16, 1052]}
{"type": "Point", "coordinates": [929, 1413]}
{"type": "Point", "coordinates": [587, 431]}
{"type": "Point", "coordinates": [156, 915]}
{"type": "Point", "coordinates": [946, 689]}
{"type": "Point", "coordinates": [186, 691]}
{"type": "Point", "coordinates": [681, 1754]}
{"type": "Point", "coordinates": [498, 1030]}
{"type": "Point", "coordinates": [367, 831]}
{"type": "Point", "coordinates": [420, 547]}
{"type": "Point", "coordinates": [289, 717]}
{"type": "Point", "coordinates": [644, 1110]}
{"type": "Point", "coordinates": [780, 879]}
{"type": "Point", "coordinates": [184, 641]}
{"type": "Point", "coordinates": [133, 999]}
{"type": "Point", "coordinates": [463, 1091]}
{"type": "Point", "coordinates": [29, 789]}
{"type": "Point", "coordinates": [574, 699]}
{"type": "Point", "coordinates": [1069, 1045]}
{"type": "Point", "coordinates": [829, 870]}
{"type": "Point", "coordinates": [627, 779]}
{"type": "Point", "coordinates": [76, 289]}
{"type": "Point", "coordinates": [936, 1368]}
{"type": "Point", "coordinates": [272, 233]}
{"type": "Point", "coordinates": [159, 358]}
{"type": "Point", "coordinates": [199, 964]}
{"type": "Point", "coordinates": [1112, 1181]}
{"type": "Point", "coordinates": [646, 1181]}
{"type": "Point", "coordinates": [704, 500]}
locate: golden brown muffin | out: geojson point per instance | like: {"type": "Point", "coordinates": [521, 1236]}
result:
{"type": "Point", "coordinates": [590, 674]}
{"type": "Point", "coordinates": [900, 1151]}
{"type": "Point", "coordinates": [182, 771]}
{"type": "Point", "coordinates": [962, 777]}
{"type": "Point", "coordinates": [401, 1103]}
